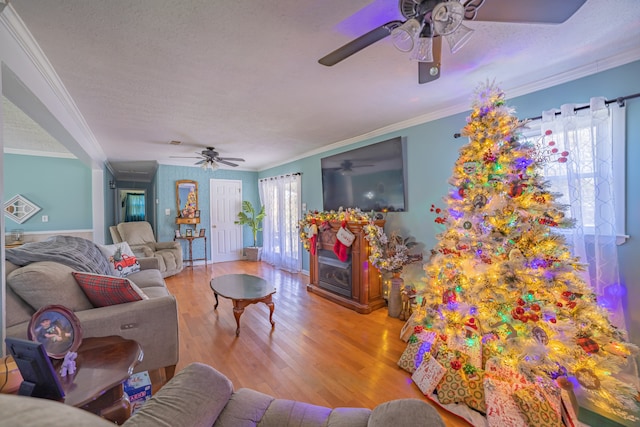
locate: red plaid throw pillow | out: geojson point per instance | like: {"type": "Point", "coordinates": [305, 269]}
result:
{"type": "Point", "coordinates": [108, 290]}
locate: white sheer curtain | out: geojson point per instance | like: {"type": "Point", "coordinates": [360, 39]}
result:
{"type": "Point", "coordinates": [281, 199]}
{"type": "Point", "coordinates": [589, 186]}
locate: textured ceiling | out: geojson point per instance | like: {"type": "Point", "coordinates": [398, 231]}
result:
{"type": "Point", "coordinates": [243, 76]}
{"type": "Point", "coordinates": [26, 136]}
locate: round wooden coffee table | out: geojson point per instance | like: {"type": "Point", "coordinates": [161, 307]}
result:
{"type": "Point", "coordinates": [243, 290]}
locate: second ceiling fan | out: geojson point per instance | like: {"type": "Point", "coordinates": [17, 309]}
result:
{"type": "Point", "coordinates": [209, 159]}
{"type": "Point", "coordinates": [428, 21]}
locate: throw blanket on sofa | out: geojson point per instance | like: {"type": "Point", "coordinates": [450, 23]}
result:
{"type": "Point", "coordinates": [75, 252]}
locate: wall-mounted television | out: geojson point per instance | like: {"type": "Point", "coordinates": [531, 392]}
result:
{"type": "Point", "coordinates": [372, 178]}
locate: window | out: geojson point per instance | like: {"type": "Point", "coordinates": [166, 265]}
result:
{"type": "Point", "coordinates": [595, 168]}
{"type": "Point", "coordinates": [281, 199]}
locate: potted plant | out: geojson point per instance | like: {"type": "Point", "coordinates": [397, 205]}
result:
{"type": "Point", "coordinates": [249, 216]}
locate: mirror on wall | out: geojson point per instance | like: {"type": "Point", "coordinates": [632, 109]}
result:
{"type": "Point", "coordinates": [187, 201]}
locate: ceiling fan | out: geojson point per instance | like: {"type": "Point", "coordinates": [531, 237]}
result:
{"type": "Point", "coordinates": [427, 22]}
{"type": "Point", "coordinates": [209, 159]}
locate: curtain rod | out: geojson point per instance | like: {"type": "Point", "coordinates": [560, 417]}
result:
{"type": "Point", "coordinates": [280, 176]}
{"type": "Point", "coordinates": [619, 100]}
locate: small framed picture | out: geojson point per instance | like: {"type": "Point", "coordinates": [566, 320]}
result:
{"type": "Point", "coordinates": [178, 233]}
{"type": "Point", "coordinates": [202, 232]}
{"type": "Point", "coordinates": [57, 328]}
{"type": "Point", "coordinates": [197, 214]}
{"type": "Point", "coordinates": [189, 232]}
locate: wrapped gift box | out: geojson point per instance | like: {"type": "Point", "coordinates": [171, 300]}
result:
{"type": "Point", "coordinates": [419, 345]}
{"type": "Point", "coordinates": [428, 375]}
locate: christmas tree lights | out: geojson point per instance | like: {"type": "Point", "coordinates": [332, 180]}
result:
{"type": "Point", "coordinates": [501, 280]}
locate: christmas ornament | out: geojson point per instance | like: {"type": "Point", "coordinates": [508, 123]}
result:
{"type": "Point", "coordinates": [540, 335]}
{"type": "Point", "coordinates": [470, 168]}
{"type": "Point", "coordinates": [479, 201]}
{"type": "Point", "coordinates": [587, 379]}
{"type": "Point", "coordinates": [588, 344]}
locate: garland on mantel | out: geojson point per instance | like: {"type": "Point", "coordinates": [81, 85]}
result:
{"type": "Point", "coordinates": [308, 225]}
{"type": "Point", "coordinates": [389, 254]}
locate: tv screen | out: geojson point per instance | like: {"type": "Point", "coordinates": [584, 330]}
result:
{"type": "Point", "coordinates": [39, 377]}
{"type": "Point", "coordinates": [371, 178]}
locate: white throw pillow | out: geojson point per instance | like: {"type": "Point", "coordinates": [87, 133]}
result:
{"type": "Point", "coordinates": [121, 259]}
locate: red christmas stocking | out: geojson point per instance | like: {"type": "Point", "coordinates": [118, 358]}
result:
{"type": "Point", "coordinates": [313, 240]}
{"type": "Point", "coordinates": [313, 244]}
{"type": "Point", "coordinates": [340, 249]}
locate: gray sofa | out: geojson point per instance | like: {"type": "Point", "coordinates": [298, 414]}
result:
{"type": "Point", "coordinates": [151, 322]}
{"type": "Point", "coordinates": [201, 396]}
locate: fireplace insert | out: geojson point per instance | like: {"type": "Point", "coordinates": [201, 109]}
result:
{"type": "Point", "coordinates": [333, 274]}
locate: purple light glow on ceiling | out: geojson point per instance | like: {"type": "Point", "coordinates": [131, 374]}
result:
{"type": "Point", "coordinates": [378, 13]}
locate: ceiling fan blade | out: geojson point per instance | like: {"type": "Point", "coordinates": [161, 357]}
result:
{"type": "Point", "coordinates": [200, 162]}
{"type": "Point", "coordinates": [425, 68]}
{"type": "Point", "coordinates": [358, 44]}
{"type": "Point", "coordinates": [522, 11]}
{"type": "Point", "coordinates": [233, 159]}
{"type": "Point", "coordinates": [185, 157]}
{"type": "Point", "coordinates": [224, 162]}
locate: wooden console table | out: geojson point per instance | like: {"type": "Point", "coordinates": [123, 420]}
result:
{"type": "Point", "coordinates": [366, 283]}
{"type": "Point", "coordinates": [190, 239]}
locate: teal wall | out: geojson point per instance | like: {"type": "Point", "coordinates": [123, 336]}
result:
{"type": "Point", "coordinates": [166, 178]}
{"type": "Point", "coordinates": [432, 151]}
{"type": "Point", "coordinates": [61, 187]}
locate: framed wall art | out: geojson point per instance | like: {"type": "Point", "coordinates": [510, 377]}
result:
{"type": "Point", "coordinates": [19, 209]}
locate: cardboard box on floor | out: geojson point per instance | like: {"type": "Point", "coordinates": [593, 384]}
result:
{"type": "Point", "coordinates": [138, 388]}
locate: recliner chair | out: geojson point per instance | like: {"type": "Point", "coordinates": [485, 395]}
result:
{"type": "Point", "coordinates": [139, 236]}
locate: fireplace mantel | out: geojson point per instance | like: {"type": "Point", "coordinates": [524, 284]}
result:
{"type": "Point", "coordinates": [366, 284]}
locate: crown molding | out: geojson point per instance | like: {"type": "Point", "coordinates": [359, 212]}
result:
{"type": "Point", "coordinates": [577, 73]}
{"type": "Point", "coordinates": [39, 153]}
{"type": "Point", "coordinates": [26, 42]}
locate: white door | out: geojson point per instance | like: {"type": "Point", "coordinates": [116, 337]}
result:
{"type": "Point", "coordinates": [226, 237]}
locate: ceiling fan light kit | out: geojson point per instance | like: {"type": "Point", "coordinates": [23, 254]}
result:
{"type": "Point", "coordinates": [209, 164]}
{"type": "Point", "coordinates": [429, 21]}
{"type": "Point", "coordinates": [423, 51]}
{"type": "Point", "coordinates": [403, 36]}
{"type": "Point", "coordinates": [459, 38]}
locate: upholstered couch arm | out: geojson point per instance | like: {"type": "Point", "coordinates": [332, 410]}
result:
{"type": "Point", "coordinates": [404, 413]}
{"type": "Point", "coordinates": [194, 397]}
{"type": "Point", "coordinates": [168, 245]}
{"type": "Point", "coordinates": [153, 323]}
{"type": "Point", "coordinates": [149, 263]}
{"type": "Point", "coordinates": [142, 251]}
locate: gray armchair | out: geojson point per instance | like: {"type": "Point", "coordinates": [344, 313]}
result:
{"type": "Point", "coordinates": [139, 236]}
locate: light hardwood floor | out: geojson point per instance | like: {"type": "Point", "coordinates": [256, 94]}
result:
{"type": "Point", "coordinates": [318, 352]}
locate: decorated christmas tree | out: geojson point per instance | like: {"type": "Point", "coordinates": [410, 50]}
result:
{"type": "Point", "coordinates": [502, 284]}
